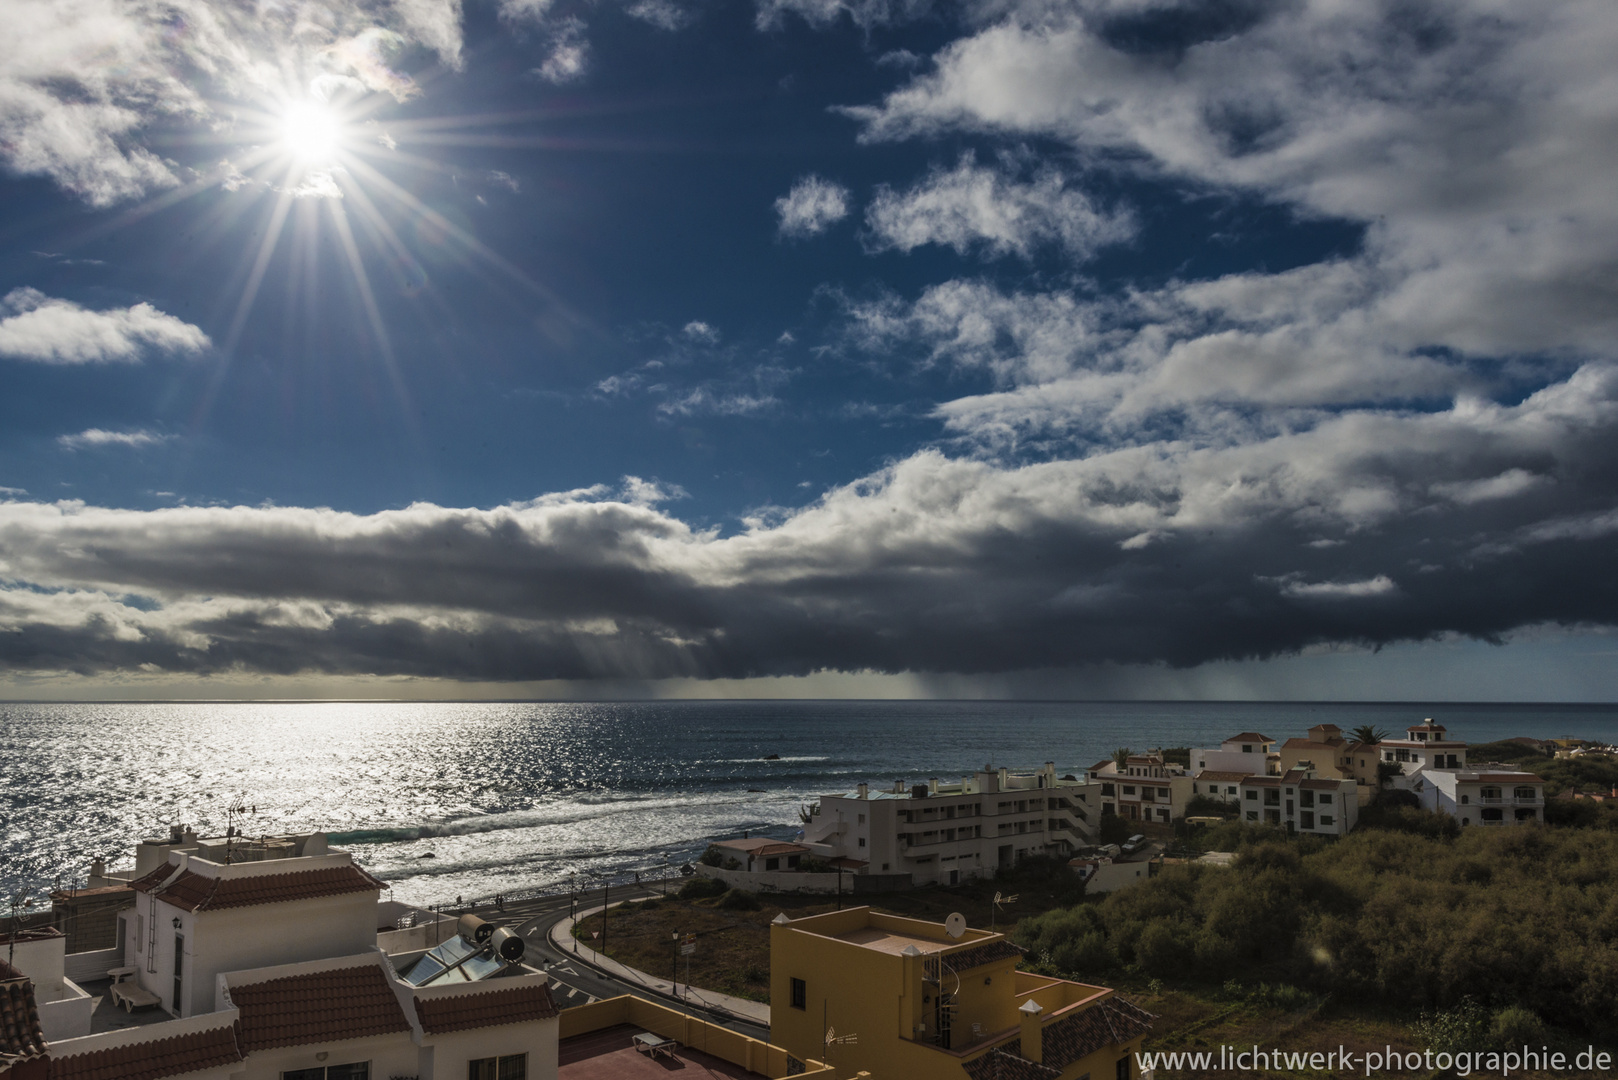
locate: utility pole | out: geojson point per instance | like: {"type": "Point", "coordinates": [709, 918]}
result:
{"type": "Point", "coordinates": [606, 900]}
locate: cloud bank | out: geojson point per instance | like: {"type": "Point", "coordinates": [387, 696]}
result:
{"type": "Point", "coordinates": [41, 329]}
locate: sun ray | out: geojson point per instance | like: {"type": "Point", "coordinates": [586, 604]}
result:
{"type": "Point", "coordinates": [362, 280]}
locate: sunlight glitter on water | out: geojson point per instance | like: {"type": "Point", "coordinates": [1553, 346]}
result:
{"type": "Point", "coordinates": [512, 797]}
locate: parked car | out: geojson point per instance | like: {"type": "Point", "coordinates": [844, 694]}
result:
{"type": "Point", "coordinates": [1134, 843]}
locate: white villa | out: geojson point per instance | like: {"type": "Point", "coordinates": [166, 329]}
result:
{"type": "Point", "coordinates": [1434, 767]}
{"type": "Point", "coordinates": [1144, 788]}
{"type": "Point", "coordinates": [284, 966]}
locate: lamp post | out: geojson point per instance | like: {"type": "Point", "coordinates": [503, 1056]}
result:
{"type": "Point", "coordinates": [665, 875]}
{"type": "Point", "coordinates": [606, 900]}
{"type": "Point", "coordinates": [573, 904]}
{"type": "Point", "coordinates": [674, 955]}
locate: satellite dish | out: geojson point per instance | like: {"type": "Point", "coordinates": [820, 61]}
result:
{"type": "Point", "coordinates": [955, 925]}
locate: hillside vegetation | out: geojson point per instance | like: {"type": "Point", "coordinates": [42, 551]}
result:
{"type": "Point", "coordinates": [1501, 917]}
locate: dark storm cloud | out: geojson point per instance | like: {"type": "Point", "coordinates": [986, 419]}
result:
{"type": "Point", "coordinates": [1370, 527]}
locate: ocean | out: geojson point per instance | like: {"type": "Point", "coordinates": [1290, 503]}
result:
{"type": "Point", "coordinates": [447, 800]}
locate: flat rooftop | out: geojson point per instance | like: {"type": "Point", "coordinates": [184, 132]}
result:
{"type": "Point", "coordinates": [607, 1054]}
{"type": "Point", "coordinates": [107, 1016]}
{"type": "Point", "coordinates": [889, 941]}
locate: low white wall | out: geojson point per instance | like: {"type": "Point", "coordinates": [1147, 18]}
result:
{"type": "Point", "coordinates": [89, 966]}
{"type": "Point", "coordinates": [67, 1017]}
{"type": "Point", "coordinates": [416, 938]}
{"type": "Point", "coordinates": [788, 881]}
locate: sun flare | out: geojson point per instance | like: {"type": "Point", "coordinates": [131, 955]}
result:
{"type": "Point", "coordinates": [311, 131]}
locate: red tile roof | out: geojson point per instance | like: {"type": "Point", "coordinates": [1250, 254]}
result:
{"type": "Point", "coordinates": [1216, 774]}
{"type": "Point", "coordinates": [1249, 736]}
{"type": "Point", "coordinates": [150, 1060]}
{"type": "Point", "coordinates": [987, 953]}
{"type": "Point", "coordinates": [1112, 1021]}
{"type": "Point", "coordinates": [20, 1034]}
{"type": "Point", "coordinates": [485, 1009]}
{"type": "Point", "coordinates": [321, 1006]}
{"type": "Point", "coordinates": [152, 878]}
{"type": "Point", "coordinates": [194, 892]}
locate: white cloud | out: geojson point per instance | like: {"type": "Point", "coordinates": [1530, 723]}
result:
{"type": "Point", "coordinates": [39, 328]}
{"type": "Point", "coordinates": [1507, 485]}
{"type": "Point", "coordinates": [663, 14]}
{"type": "Point", "coordinates": [863, 13]}
{"type": "Point", "coordinates": [812, 206]}
{"type": "Point", "coordinates": [975, 207]}
{"type": "Point", "coordinates": [75, 104]}
{"type": "Point", "coordinates": [700, 332]}
{"type": "Point", "coordinates": [705, 401]}
{"type": "Point", "coordinates": [1473, 142]}
{"type": "Point", "coordinates": [569, 55]}
{"type": "Point", "coordinates": [1381, 585]}
{"type": "Point", "coordinates": [94, 438]}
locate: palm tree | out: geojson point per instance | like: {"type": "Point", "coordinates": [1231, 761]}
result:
{"type": "Point", "coordinates": [1121, 755]}
{"type": "Point", "coordinates": [1369, 734]}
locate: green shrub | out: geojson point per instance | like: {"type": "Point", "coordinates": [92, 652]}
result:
{"type": "Point", "coordinates": [1461, 1029]}
{"type": "Point", "coordinates": [698, 888]}
{"type": "Point", "coordinates": [739, 900]}
{"type": "Point", "coordinates": [1510, 917]}
{"type": "Point", "coordinates": [1515, 1027]}
{"type": "Point", "coordinates": [712, 857]}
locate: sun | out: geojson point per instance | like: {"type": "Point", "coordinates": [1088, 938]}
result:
{"type": "Point", "coordinates": [311, 131]}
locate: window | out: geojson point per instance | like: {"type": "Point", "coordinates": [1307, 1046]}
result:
{"type": "Point", "coordinates": [1252, 795]}
{"type": "Point", "coordinates": [1124, 1071]}
{"type": "Point", "coordinates": [359, 1070]}
{"type": "Point", "coordinates": [862, 841]}
{"type": "Point", "coordinates": [1325, 798]}
{"type": "Point", "coordinates": [1252, 815]}
{"type": "Point", "coordinates": [862, 819]}
{"type": "Point", "coordinates": [1465, 799]}
{"type": "Point", "coordinates": [1162, 793]}
{"type": "Point", "coordinates": [1230, 791]}
{"type": "Point", "coordinates": [512, 1067]}
{"type": "Point", "coordinates": [800, 994]}
{"type": "Point", "coordinates": [1106, 790]}
{"type": "Point", "coordinates": [1129, 789]}
{"type": "Point", "coordinates": [1327, 820]}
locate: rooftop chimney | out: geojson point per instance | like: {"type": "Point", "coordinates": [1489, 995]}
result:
{"type": "Point", "coordinates": [862, 789]}
{"type": "Point", "coordinates": [1032, 1049]}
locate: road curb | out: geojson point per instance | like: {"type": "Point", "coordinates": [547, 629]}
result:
{"type": "Point", "coordinates": [562, 940]}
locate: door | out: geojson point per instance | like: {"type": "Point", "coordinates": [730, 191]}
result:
{"type": "Point", "coordinates": [179, 969]}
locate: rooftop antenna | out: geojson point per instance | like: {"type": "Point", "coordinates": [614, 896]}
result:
{"type": "Point", "coordinates": [833, 1039]}
{"type": "Point", "coordinates": [999, 900]}
{"type": "Point", "coordinates": [238, 808]}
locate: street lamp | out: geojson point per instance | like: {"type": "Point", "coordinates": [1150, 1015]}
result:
{"type": "Point", "coordinates": [665, 875]}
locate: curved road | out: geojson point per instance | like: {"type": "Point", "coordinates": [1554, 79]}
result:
{"type": "Point", "coordinates": [575, 981]}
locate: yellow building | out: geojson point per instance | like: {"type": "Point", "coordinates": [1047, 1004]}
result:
{"type": "Point", "coordinates": [905, 999]}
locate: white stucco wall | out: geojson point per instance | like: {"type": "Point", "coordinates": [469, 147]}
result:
{"type": "Point", "coordinates": [451, 1052]}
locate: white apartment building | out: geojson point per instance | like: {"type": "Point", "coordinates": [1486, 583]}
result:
{"type": "Point", "coordinates": [944, 833]}
{"type": "Point", "coordinates": [1494, 795]}
{"type": "Point", "coordinates": [1144, 788]}
{"type": "Point", "coordinates": [1301, 802]}
{"type": "Point", "coordinates": [1246, 753]}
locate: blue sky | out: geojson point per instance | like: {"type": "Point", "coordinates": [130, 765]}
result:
{"type": "Point", "coordinates": [1108, 348]}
